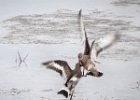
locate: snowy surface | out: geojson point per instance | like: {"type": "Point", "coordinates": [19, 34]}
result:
{"type": "Point", "coordinates": [46, 30]}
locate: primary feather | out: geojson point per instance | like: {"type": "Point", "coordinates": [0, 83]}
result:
{"type": "Point", "coordinates": [84, 35]}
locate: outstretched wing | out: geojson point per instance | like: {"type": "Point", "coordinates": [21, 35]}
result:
{"type": "Point", "coordinates": [102, 43]}
{"type": "Point", "coordinates": [59, 66]}
{"type": "Point", "coordinates": [84, 35]}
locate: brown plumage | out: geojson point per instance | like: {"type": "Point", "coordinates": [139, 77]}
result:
{"type": "Point", "coordinates": [88, 64]}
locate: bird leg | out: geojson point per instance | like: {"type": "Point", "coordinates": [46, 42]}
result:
{"type": "Point", "coordinates": [71, 95]}
{"type": "Point", "coordinates": [71, 89]}
{"type": "Point", "coordinates": [83, 72]}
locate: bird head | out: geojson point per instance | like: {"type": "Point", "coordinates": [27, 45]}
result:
{"type": "Point", "coordinates": [80, 56]}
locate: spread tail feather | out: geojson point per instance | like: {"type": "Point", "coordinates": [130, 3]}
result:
{"type": "Point", "coordinates": [64, 91]}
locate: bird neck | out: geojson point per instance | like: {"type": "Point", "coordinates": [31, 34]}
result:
{"type": "Point", "coordinates": [78, 67]}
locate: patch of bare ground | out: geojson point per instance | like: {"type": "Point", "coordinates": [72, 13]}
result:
{"type": "Point", "coordinates": [13, 91]}
{"type": "Point", "coordinates": [62, 27]}
{"type": "Point", "coordinates": [126, 2]}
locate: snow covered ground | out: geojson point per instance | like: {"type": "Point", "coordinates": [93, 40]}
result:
{"type": "Point", "coordinates": [46, 30]}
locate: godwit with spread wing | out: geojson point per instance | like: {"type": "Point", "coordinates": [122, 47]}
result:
{"type": "Point", "coordinates": [72, 76]}
{"type": "Point", "coordinates": [89, 57]}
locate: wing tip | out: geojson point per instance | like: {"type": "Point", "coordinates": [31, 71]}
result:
{"type": "Point", "coordinates": [45, 63]}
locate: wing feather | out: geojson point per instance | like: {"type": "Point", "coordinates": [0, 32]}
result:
{"type": "Point", "coordinates": [84, 35]}
{"type": "Point", "coordinates": [101, 44]}
{"type": "Point", "coordinates": [59, 66]}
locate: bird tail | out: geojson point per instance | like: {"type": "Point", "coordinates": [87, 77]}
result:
{"type": "Point", "coordinates": [64, 91]}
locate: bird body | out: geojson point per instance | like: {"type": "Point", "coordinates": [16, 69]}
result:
{"type": "Point", "coordinates": [88, 64]}
{"type": "Point", "coordinates": [71, 82]}
{"type": "Point", "coordinates": [72, 76]}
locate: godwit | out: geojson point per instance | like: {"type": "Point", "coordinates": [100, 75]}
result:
{"type": "Point", "coordinates": [72, 76]}
{"type": "Point", "coordinates": [89, 57]}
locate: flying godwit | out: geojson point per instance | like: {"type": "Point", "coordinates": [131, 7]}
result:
{"type": "Point", "coordinates": [91, 52]}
